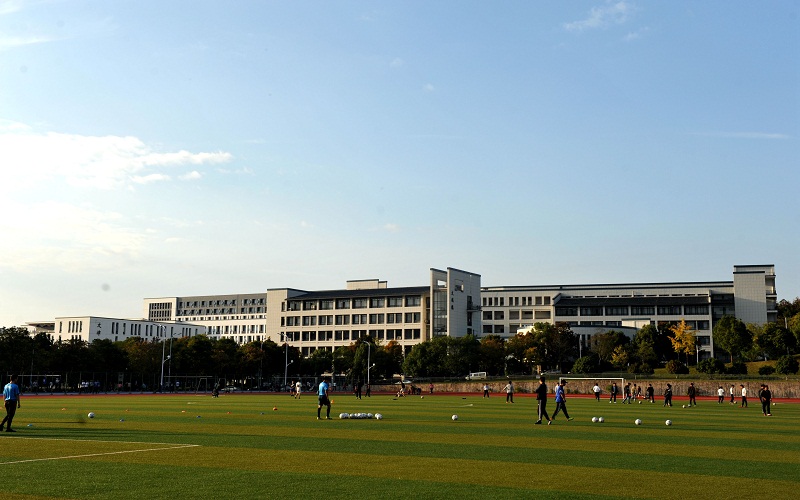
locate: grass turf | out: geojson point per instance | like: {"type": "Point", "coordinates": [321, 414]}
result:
{"type": "Point", "coordinates": [236, 446]}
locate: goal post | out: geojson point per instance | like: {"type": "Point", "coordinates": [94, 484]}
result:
{"type": "Point", "coordinates": [585, 385]}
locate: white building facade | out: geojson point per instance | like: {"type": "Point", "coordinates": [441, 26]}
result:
{"type": "Point", "coordinates": [750, 296]}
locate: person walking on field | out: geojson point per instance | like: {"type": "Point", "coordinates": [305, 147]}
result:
{"type": "Point", "coordinates": [766, 401]}
{"type": "Point", "coordinates": [509, 388]}
{"type": "Point", "coordinates": [614, 392]}
{"type": "Point", "coordinates": [733, 398]}
{"type": "Point", "coordinates": [721, 394]}
{"type": "Point", "coordinates": [692, 393]}
{"type": "Point", "coordinates": [596, 389]}
{"type": "Point", "coordinates": [626, 391]}
{"type": "Point", "coordinates": [668, 396]}
{"type": "Point", "coordinates": [541, 400]}
{"type": "Point", "coordinates": [323, 398]}
{"type": "Point", "coordinates": [561, 401]}
{"type": "Point", "coordinates": [651, 393]}
{"type": "Point", "coordinates": [744, 396]}
{"type": "Point", "coordinates": [486, 390]}
{"type": "Point", "coordinates": [12, 402]}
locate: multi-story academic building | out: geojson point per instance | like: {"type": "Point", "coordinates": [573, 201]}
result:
{"type": "Point", "coordinates": [452, 303]}
{"type": "Point", "coordinates": [589, 309]}
{"type": "Point", "coordinates": [310, 320]}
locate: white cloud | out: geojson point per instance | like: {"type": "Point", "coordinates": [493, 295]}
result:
{"type": "Point", "coordinates": [11, 42]}
{"type": "Point", "coordinates": [147, 179]}
{"type": "Point", "coordinates": [99, 162]}
{"type": "Point", "coordinates": [396, 62]}
{"type": "Point", "coordinates": [604, 16]}
{"type": "Point", "coordinates": [65, 237]}
{"type": "Point", "coordinates": [391, 227]}
{"type": "Point", "coordinates": [428, 87]}
{"type": "Point", "coordinates": [191, 176]}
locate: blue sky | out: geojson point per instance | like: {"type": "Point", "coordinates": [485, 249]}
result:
{"type": "Point", "coordinates": [155, 148]}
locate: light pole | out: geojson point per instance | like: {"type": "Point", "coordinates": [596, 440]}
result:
{"type": "Point", "coordinates": [169, 367]}
{"type": "Point", "coordinates": [161, 384]}
{"type": "Point", "coordinates": [286, 371]}
{"type": "Point", "coordinates": [369, 367]}
{"type": "Point", "coordinates": [369, 351]}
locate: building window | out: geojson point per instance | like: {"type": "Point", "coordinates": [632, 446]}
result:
{"type": "Point", "coordinates": [359, 319]}
{"type": "Point", "coordinates": [395, 301]}
{"type": "Point", "coordinates": [342, 319]}
{"type": "Point", "coordinates": [359, 303]}
{"type": "Point", "coordinates": [326, 305]}
{"type": "Point", "coordinates": [566, 311]}
{"type": "Point", "coordinates": [499, 315]}
{"type": "Point", "coordinates": [696, 310]}
{"type": "Point", "coordinates": [377, 302]}
{"type": "Point", "coordinates": [376, 319]}
{"type": "Point", "coordinates": [342, 303]}
{"type": "Point", "coordinates": [591, 311]}
{"type": "Point", "coordinates": [643, 310]}
{"type": "Point", "coordinates": [413, 301]}
{"type": "Point", "coordinates": [309, 320]}
{"type": "Point", "coordinates": [413, 317]}
{"type": "Point", "coordinates": [487, 315]}
{"type": "Point", "coordinates": [669, 310]}
{"type": "Point", "coordinates": [616, 310]}
{"type": "Point", "coordinates": [310, 305]}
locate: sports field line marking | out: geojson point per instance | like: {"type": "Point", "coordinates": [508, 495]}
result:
{"type": "Point", "coordinates": [171, 446]}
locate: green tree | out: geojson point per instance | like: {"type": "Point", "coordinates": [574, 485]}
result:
{"type": "Point", "coordinates": [774, 340]}
{"type": "Point", "coordinates": [603, 344]}
{"type": "Point", "coordinates": [787, 365]}
{"type": "Point", "coordinates": [589, 363]}
{"type": "Point", "coordinates": [732, 334]}
{"type": "Point", "coordinates": [491, 355]}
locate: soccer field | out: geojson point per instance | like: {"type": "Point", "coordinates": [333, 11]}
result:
{"type": "Point", "coordinates": [237, 446]}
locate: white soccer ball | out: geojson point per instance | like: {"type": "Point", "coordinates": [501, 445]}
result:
{"type": "Point", "coordinates": [378, 416]}
{"type": "Point", "coordinates": [601, 419]}
{"type": "Point", "coordinates": [343, 416]}
{"type": "Point", "coordinates": [370, 415]}
{"type": "Point", "coordinates": [91, 414]}
{"type": "Point", "coordinates": [668, 422]}
{"type": "Point", "coordinates": [594, 419]}
{"type": "Point", "coordinates": [638, 421]}
{"type": "Point", "coordinates": [640, 402]}
{"type": "Point", "coordinates": [455, 417]}
{"type": "Point", "coordinates": [684, 406]}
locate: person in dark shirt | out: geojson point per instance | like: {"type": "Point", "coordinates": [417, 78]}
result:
{"type": "Point", "coordinates": [692, 393]}
{"type": "Point", "coordinates": [541, 400]}
{"type": "Point", "coordinates": [668, 395]}
{"type": "Point", "coordinates": [765, 395]}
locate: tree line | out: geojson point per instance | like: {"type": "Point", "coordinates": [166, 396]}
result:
{"type": "Point", "coordinates": [543, 347]}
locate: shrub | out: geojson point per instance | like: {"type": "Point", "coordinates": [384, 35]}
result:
{"type": "Point", "coordinates": [737, 368]}
{"type": "Point", "coordinates": [676, 367]}
{"type": "Point", "coordinates": [711, 365]}
{"type": "Point", "coordinates": [766, 370]}
{"type": "Point", "coordinates": [787, 365]}
{"type": "Point", "coordinates": [642, 368]}
{"type": "Point", "coordinates": [587, 364]}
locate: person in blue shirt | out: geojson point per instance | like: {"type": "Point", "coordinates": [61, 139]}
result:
{"type": "Point", "coordinates": [11, 397]}
{"type": "Point", "coordinates": [323, 398]}
{"type": "Point", "coordinates": [561, 401]}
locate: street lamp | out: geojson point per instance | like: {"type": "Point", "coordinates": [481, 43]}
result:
{"type": "Point", "coordinates": [369, 367]}
{"type": "Point", "coordinates": [369, 350]}
{"type": "Point", "coordinates": [286, 371]}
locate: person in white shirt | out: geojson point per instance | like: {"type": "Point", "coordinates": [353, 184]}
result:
{"type": "Point", "coordinates": [721, 394]}
{"type": "Point", "coordinates": [509, 388]}
{"type": "Point", "coordinates": [744, 396]}
{"type": "Point", "coordinates": [596, 389]}
{"type": "Point", "coordinates": [298, 387]}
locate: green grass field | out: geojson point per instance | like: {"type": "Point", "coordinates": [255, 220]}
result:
{"type": "Point", "coordinates": [236, 446]}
